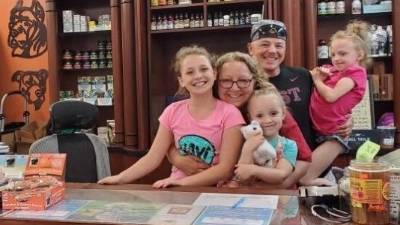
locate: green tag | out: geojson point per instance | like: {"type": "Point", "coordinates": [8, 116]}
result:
{"type": "Point", "coordinates": [367, 151]}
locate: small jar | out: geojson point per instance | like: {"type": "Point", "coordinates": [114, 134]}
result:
{"type": "Point", "coordinates": [356, 7]}
{"type": "Point", "coordinates": [77, 65]}
{"type": "Point", "coordinates": [340, 7]}
{"type": "Point", "coordinates": [109, 45]}
{"type": "Point", "coordinates": [93, 55]}
{"type": "Point", "coordinates": [322, 7]}
{"type": "Point", "coordinates": [331, 7]}
{"type": "Point", "coordinates": [78, 56]}
{"type": "Point", "coordinates": [369, 192]}
{"type": "Point", "coordinates": [67, 54]}
{"type": "Point", "coordinates": [102, 64]}
{"type": "Point", "coordinates": [109, 63]}
{"type": "Point", "coordinates": [323, 50]}
{"type": "Point", "coordinates": [226, 20]}
{"type": "Point", "coordinates": [86, 65]}
{"type": "Point", "coordinates": [109, 55]}
{"type": "Point", "coordinates": [154, 2]}
{"type": "Point", "coordinates": [101, 45]}
{"type": "Point", "coordinates": [67, 65]}
{"type": "Point", "coordinates": [102, 55]}
{"type": "Point", "coordinates": [94, 65]}
{"type": "Point", "coordinates": [85, 56]}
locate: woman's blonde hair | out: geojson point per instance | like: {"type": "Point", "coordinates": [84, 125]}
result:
{"type": "Point", "coordinates": [181, 55]}
{"type": "Point", "coordinates": [358, 32]}
{"type": "Point", "coordinates": [257, 73]}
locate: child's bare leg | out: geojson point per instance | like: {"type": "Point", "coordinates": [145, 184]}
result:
{"type": "Point", "coordinates": [322, 158]}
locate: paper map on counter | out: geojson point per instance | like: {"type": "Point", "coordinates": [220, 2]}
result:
{"type": "Point", "coordinates": [116, 212]}
{"type": "Point", "coordinates": [234, 216]}
{"type": "Point", "coordinates": [174, 214]}
{"type": "Point", "coordinates": [251, 201]}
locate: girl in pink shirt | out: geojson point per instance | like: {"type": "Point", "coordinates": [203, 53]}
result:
{"type": "Point", "coordinates": [338, 89]}
{"type": "Point", "coordinates": [201, 126]}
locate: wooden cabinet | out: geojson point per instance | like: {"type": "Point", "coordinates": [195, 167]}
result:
{"type": "Point", "coordinates": [129, 62]}
{"type": "Point", "coordinates": [321, 27]}
{"type": "Point", "coordinates": [70, 48]}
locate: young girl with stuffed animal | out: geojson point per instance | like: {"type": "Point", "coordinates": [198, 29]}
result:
{"type": "Point", "coordinates": [266, 107]}
{"type": "Point", "coordinates": [338, 89]}
{"type": "Point", "coordinates": [200, 126]}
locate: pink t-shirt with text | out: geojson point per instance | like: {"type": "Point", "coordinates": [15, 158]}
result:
{"type": "Point", "coordinates": [201, 138]}
{"type": "Point", "coordinates": [326, 116]}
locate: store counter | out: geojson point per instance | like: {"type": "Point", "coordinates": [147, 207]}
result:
{"type": "Point", "coordinates": [137, 204]}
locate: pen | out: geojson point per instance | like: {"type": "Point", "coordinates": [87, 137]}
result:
{"type": "Point", "coordinates": [240, 201]}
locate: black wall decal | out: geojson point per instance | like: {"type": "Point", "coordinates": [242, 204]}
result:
{"type": "Point", "coordinates": [27, 35]}
{"type": "Point", "coordinates": [33, 85]}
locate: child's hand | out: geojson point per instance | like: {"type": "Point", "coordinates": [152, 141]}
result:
{"type": "Point", "coordinates": [229, 184]}
{"type": "Point", "coordinates": [167, 182]}
{"type": "Point", "coordinates": [244, 172]}
{"type": "Point", "coordinates": [252, 143]}
{"type": "Point", "coordinates": [320, 73]}
{"type": "Point", "coordinates": [279, 154]}
{"type": "Point", "coordinates": [110, 180]}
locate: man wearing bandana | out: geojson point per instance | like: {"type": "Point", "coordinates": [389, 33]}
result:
{"type": "Point", "coordinates": [268, 47]}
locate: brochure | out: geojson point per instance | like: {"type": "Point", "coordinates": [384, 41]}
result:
{"type": "Point", "coordinates": [234, 215]}
{"type": "Point", "coordinates": [238, 200]}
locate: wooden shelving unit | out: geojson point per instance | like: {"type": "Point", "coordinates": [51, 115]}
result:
{"type": "Point", "coordinates": [163, 44]}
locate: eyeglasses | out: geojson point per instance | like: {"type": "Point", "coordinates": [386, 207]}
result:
{"type": "Point", "coordinates": [242, 83]}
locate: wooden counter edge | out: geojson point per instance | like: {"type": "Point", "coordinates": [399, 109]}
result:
{"type": "Point", "coordinates": [145, 187]}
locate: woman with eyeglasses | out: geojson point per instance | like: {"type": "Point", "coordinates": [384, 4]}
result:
{"type": "Point", "coordinates": [237, 77]}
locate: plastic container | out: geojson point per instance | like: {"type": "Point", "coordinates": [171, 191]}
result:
{"type": "Point", "coordinates": [386, 136]}
{"type": "Point", "coordinates": [369, 192]}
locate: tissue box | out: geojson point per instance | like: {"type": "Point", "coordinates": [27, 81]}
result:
{"type": "Point", "coordinates": [42, 187]}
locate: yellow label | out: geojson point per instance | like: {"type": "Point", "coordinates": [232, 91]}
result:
{"type": "Point", "coordinates": [356, 204]}
{"type": "Point", "coordinates": [366, 190]}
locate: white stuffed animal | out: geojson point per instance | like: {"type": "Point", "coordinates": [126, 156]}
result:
{"type": "Point", "coordinates": [265, 153]}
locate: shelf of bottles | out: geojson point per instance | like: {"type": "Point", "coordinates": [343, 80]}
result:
{"type": "Point", "coordinates": [171, 16]}
{"type": "Point", "coordinates": [337, 7]}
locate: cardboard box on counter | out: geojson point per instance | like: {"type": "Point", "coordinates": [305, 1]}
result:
{"type": "Point", "coordinates": [42, 187]}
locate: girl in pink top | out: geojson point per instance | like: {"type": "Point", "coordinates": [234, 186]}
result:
{"type": "Point", "coordinates": [201, 126]}
{"type": "Point", "coordinates": [338, 89]}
